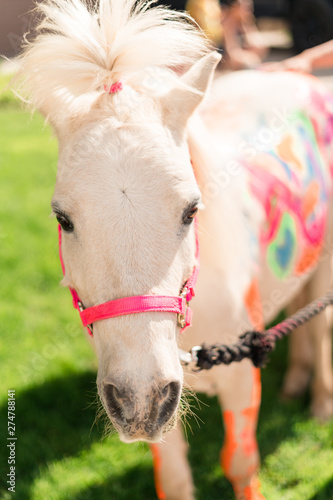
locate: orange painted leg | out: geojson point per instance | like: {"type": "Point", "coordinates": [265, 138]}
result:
{"type": "Point", "coordinates": [173, 479]}
{"type": "Point", "coordinates": [157, 462]}
{"type": "Point", "coordinates": [239, 455]}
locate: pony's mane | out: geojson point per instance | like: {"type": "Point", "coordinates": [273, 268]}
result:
{"type": "Point", "coordinates": [79, 48]}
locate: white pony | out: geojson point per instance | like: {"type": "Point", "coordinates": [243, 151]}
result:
{"type": "Point", "coordinates": [121, 84]}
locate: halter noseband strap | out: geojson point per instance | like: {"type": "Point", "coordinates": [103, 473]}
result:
{"type": "Point", "coordinates": [140, 303]}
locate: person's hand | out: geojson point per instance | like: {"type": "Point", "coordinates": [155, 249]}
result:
{"type": "Point", "coordinates": [298, 63]}
{"type": "Point", "coordinates": [242, 59]}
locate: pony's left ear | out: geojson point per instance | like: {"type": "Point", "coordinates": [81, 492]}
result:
{"type": "Point", "coordinates": [179, 103]}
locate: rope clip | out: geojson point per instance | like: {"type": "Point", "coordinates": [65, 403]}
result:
{"type": "Point", "coordinates": [187, 358]}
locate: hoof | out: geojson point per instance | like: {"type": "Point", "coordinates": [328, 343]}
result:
{"type": "Point", "coordinates": [249, 492]}
{"type": "Point", "coordinates": [322, 408]}
{"type": "Point", "coordinates": [296, 382]}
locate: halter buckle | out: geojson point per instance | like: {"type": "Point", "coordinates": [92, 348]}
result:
{"type": "Point", "coordinates": [181, 317]}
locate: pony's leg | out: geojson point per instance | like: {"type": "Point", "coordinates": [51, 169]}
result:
{"type": "Point", "coordinates": [320, 331]}
{"type": "Point", "coordinates": [300, 355]}
{"type": "Point", "coordinates": [240, 396]}
{"type": "Point", "coordinates": [173, 478]}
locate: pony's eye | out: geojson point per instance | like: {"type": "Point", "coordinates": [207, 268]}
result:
{"type": "Point", "coordinates": [189, 215]}
{"type": "Point", "coordinates": [65, 223]}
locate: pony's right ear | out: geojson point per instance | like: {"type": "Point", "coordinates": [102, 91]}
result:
{"type": "Point", "coordinates": [180, 103]}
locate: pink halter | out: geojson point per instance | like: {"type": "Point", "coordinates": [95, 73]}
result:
{"type": "Point", "coordinates": [140, 303]}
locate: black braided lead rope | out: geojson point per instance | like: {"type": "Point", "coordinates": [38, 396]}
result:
{"type": "Point", "coordinates": [257, 345]}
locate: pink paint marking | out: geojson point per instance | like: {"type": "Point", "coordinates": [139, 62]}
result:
{"type": "Point", "coordinates": [287, 201]}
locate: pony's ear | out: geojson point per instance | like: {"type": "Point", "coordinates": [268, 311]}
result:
{"type": "Point", "coordinates": [180, 102]}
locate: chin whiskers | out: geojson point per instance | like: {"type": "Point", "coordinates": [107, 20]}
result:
{"type": "Point", "coordinates": [101, 417]}
{"type": "Point", "coordinates": [189, 404]}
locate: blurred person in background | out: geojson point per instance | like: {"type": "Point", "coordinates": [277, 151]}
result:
{"type": "Point", "coordinates": [243, 44]}
{"type": "Point", "coordinates": [230, 24]}
{"type": "Point", "coordinates": [208, 15]}
{"type": "Point", "coordinates": [319, 57]}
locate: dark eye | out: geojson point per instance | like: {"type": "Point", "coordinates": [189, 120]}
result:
{"type": "Point", "coordinates": [189, 214]}
{"type": "Point", "coordinates": [65, 223]}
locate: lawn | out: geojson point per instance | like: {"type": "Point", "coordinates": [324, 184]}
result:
{"type": "Point", "coordinates": [44, 357]}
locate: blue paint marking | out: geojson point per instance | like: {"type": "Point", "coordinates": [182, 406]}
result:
{"type": "Point", "coordinates": [313, 163]}
{"type": "Point", "coordinates": [285, 165]}
{"type": "Point", "coordinates": [285, 251]}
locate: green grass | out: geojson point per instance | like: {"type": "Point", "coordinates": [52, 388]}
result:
{"type": "Point", "coordinates": [6, 95]}
{"type": "Point", "coordinates": [46, 359]}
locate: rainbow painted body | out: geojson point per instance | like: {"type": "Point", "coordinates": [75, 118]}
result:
{"type": "Point", "coordinates": [273, 136]}
{"type": "Point", "coordinates": [284, 145]}
{"type": "Point", "coordinates": [293, 182]}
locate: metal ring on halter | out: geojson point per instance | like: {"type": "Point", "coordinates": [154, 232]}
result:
{"type": "Point", "coordinates": [81, 309]}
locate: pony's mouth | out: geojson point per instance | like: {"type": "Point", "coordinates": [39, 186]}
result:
{"type": "Point", "coordinates": [138, 433]}
{"type": "Point", "coordinates": [143, 431]}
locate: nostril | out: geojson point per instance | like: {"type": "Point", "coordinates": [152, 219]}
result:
{"type": "Point", "coordinates": [126, 409]}
{"type": "Point", "coordinates": [170, 394]}
{"type": "Point", "coordinates": [170, 390]}
{"type": "Point", "coordinates": [117, 394]}
{"type": "Point", "coordinates": [173, 389]}
{"type": "Point", "coordinates": [112, 399]}
{"type": "Point", "coordinates": [165, 391]}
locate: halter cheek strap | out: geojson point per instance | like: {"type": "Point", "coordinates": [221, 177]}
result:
{"type": "Point", "coordinates": [141, 303]}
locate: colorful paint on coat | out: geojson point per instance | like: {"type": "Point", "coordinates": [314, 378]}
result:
{"type": "Point", "coordinates": [281, 251]}
{"type": "Point", "coordinates": [293, 182]}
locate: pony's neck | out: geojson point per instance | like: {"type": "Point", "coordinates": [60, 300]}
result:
{"type": "Point", "coordinates": [229, 224]}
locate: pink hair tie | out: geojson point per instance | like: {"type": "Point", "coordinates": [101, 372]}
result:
{"type": "Point", "coordinates": [115, 87]}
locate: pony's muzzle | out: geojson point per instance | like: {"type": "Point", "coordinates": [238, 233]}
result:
{"type": "Point", "coordinates": [141, 416]}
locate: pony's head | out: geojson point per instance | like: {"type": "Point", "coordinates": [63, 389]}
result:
{"type": "Point", "coordinates": [125, 194]}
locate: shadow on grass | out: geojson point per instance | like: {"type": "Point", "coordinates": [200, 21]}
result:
{"type": "Point", "coordinates": [53, 422]}
{"type": "Point", "coordinates": [326, 493]}
{"type": "Point", "coordinates": [134, 484]}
